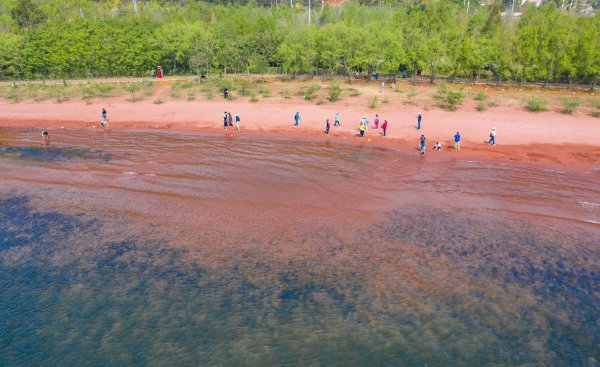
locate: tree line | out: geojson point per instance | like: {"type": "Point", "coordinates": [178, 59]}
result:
{"type": "Point", "coordinates": [87, 38]}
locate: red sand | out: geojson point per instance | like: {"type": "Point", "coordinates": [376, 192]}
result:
{"type": "Point", "coordinates": [548, 138]}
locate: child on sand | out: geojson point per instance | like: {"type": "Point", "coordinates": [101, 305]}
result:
{"type": "Point", "coordinates": [437, 146]}
{"type": "Point", "coordinates": [422, 144]}
{"type": "Point", "coordinates": [384, 126]}
{"type": "Point", "coordinates": [361, 128]}
{"type": "Point", "coordinates": [457, 141]}
{"type": "Point", "coordinates": [376, 121]}
{"type": "Point", "coordinates": [237, 122]}
{"type": "Point", "coordinates": [327, 127]}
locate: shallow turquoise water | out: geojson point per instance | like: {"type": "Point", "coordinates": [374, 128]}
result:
{"type": "Point", "coordinates": [141, 248]}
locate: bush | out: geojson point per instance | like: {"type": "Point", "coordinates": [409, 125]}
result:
{"type": "Point", "coordinates": [191, 96]}
{"type": "Point", "coordinates": [447, 98]}
{"type": "Point", "coordinates": [373, 102]}
{"type": "Point", "coordinates": [481, 96]}
{"type": "Point", "coordinates": [265, 91]}
{"type": "Point", "coordinates": [353, 92]}
{"type": "Point", "coordinates": [569, 105]}
{"type": "Point", "coordinates": [493, 103]}
{"type": "Point", "coordinates": [158, 101]}
{"type": "Point", "coordinates": [245, 88]}
{"type": "Point", "coordinates": [536, 104]}
{"type": "Point", "coordinates": [595, 103]}
{"type": "Point", "coordinates": [481, 106]}
{"type": "Point", "coordinates": [253, 97]}
{"type": "Point", "coordinates": [595, 113]}
{"type": "Point", "coordinates": [208, 94]}
{"type": "Point", "coordinates": [320, 101]}
{"type": "Point", "coordinates": [308, 95]}
{"type": "Point", "coordinates": [410, 94]}
{"type": "Point", "coordinates": [334, 92]}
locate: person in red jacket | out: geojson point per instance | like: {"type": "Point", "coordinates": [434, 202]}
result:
{"type": "Point", "coordinates": [159, 73]}
{"type": "Point", "coordinates": [384, 127]}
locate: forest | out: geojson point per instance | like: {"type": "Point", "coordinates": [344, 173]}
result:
{"type": "Point", "coordinates": [54, 39]}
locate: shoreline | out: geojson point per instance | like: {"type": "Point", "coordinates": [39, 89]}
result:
{"type": "Point", "coordinates": [578, 157]}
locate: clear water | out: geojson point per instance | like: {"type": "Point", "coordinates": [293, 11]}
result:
{"type": "Point", "coordinates": [163, 249]}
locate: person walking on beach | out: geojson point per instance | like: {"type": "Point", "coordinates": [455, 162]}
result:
{"type": "Point", "coordinates": [419, 117]}
{"type": "Point", "coordinates": [336, 121]}
{"type": "Point", "coordinates": [422, 144]}
{"type": "Point", "coordinates": [225, 120]}
{"type": "Point", "coordinates": [384, 126]}
{"type": "Point", "coordinates": [457, 141]}
{"type": "Point", "coordinates": [297, 119]}
{"type": "Point", "coordinates": [376, 121]}
{"type": "Point", "coordinates": [237, 122]}
{"type": "Point", "coordinates": [492, 140]}
{"type": "Point", "coordinates": [327, 125]}
{"type": "Point", "coordinates": [230, 119]}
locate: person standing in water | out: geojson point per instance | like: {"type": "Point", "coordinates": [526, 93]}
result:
{"type": "Point", "coordinates": [225, 124]}
{"type": "Point", "coordinates": [297, 119]}
{"type": "Point", "coordinates": [492, 140]}
{"type": "Point", "coordinates": [237, 122]}
{"type": "Point", "coordinates": [422, 144]}
{"type": "Point", "coordinates": [336, 121]}
{"type": "Point", "coordinates": [376, 121]}
{"type": "Point", "coordinates": [45, 136]}
{"type": "Point", "coordinates": [457, 141]}
{"type": "Point", "coordinates": [327, 125]}
{"type": "Point", "coordinates": [384, 126]}
{"type": "Point", "coordinates": [419, 121]}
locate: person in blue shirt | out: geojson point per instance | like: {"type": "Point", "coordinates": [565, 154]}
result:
{"type": "Point", "coordinates": [422, 144]}
{"type": "Point", "coordinates": [336, 121]}
{"type": "Point", "coordinates": [297, 119]}
{"type": "Point", "coordinates": [457, 141]}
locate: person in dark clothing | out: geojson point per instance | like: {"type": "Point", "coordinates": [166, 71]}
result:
{"type": "Point", "coordinates": [225, 93]}
{"type": "Point", "coordinates": [327, 125]}
{"type": "Point", "coordinates": [422, 144]}
{"type": "Point", "coordinates": [225, 120]}
{"type": "Point", "coordinates": [230, 119]}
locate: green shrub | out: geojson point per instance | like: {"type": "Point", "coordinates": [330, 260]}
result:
{"type": "Point", "coordinates": [320, 101]}
{"type": "Point", "coordinates": [536, 104]}
{"type": "Point", "coordinates": [373, 102]}
{"type": "Point", "coordinates": [410, 94]}
{"type": "Point", "coordinates": [481, 96]}
{"type": "Point", "coordinates": [481, 106]}
{"type": "Point", "coordinates": [334, 92]}
{"type": "Point", "coordinates": [595, 103]}
{"type": "Point", "coordinates": [191, 96]}
{"type": "Point", "coordinates": [447, 98]}
{"type": "Point", "coordinates": [103, 90]}
{"type": "Point", "coordinates": [308, 95]}
{"type": "Point", "coordinates": [265, 91]}
{"type": "Point", "coordinates": [245, 88]}
{"type": "Point", "coordinates": [569, 105]}
{"type": "Point", "coordinates": [253, 97]}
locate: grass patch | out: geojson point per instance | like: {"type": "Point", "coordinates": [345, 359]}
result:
{"type": "Point", "coordinates": [448, 99]}
{"type": "Point", "coordinates": [385, 100]}
{"type": "Point", "coordinates": [13, 95]}
{"type": "Point", "coordinates": [59, 93]}
{"type": "Point", "coordinates": [569, 105]}
{"type": "Point", "coordinates": [191, 96]}
{"type": "Point", "coordinates": [320, 101]}
{"type": "Point", "coordinates": [286, 93]}
{"type": "Point", "coordinates": [373, 102]}
{"type": "Point", "coordinates": [334, 92]}
{"type": "Point", "coordinates": [493, 103]}
{"type": "Point", "coordinates": [208, 94]}
{"type": "Point", "coordinates": [158, 101]}
{"type": "Point", "coordinates": [253, 97]}
{"type": "Point", "coordinates": [245, 88]}
{"type": "Point", "coordinates": [595, 113]}
{"type": "Point", "coordinates": [536, 104]}
{"type": "Point", "coordinates": [353, 92]}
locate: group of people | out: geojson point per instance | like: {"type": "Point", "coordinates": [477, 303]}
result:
{"type": "Point", "coordinates": [363, 125]}
{"type": "Point", "coordinates": [228, 120]}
